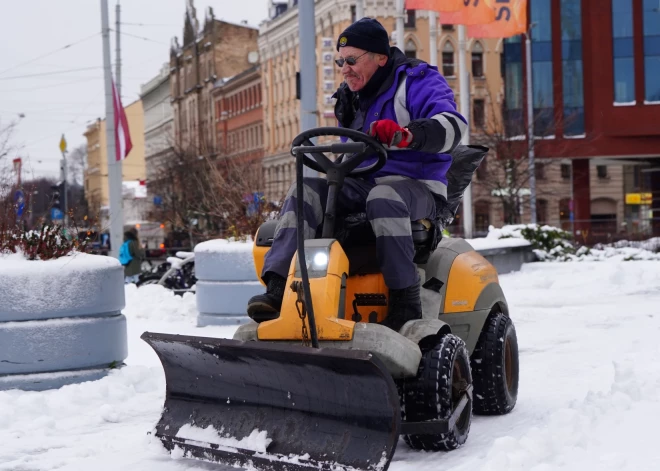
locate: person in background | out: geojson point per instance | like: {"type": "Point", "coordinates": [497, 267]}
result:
{"type": "Point", "coordinates": [131, 255]}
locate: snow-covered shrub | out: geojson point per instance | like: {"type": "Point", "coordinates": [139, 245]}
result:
{"type": "Point", "coordinates": [52, 241]}
{"type": "Point", "coordinates": [554, 244]}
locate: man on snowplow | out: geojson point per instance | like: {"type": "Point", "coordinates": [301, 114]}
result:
{"type": "Point", "coordinates": [407, 105]}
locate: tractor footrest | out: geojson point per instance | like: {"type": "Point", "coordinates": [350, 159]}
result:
{"type": "Point", "coordinates": [435, 427]}
{"type": "Point", "coordinates": [370, 299]}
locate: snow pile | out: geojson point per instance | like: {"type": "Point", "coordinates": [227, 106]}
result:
{"type": "Point", "coordinates": [257, 441]}
{"type": "Point", "coordinates": [652, 244]}
{"type": "Point", "coordinates": [225, 245]}
{"type": "Point", "coordinates": [554, 244]}
{"type": "Point", "coordinates": [157, 303]}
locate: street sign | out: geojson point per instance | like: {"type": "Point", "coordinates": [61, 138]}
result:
{"type": "Point", "coordinates": [19, 200]}
{"type": "Point", "coordinates": [63, 144]}
{"type": "Point", "coordinates": [56, 213]}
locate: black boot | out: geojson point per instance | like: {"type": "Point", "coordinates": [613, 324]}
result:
{"type": "Point", "coordinates": [404, 305]}
{"type": "Point", "coordinates": [266, 307]}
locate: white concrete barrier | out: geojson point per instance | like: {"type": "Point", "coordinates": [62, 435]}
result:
{"type": "Point", "coordinates": [60, 320]}
{"type": "Point", "coordinates": [226, 280]}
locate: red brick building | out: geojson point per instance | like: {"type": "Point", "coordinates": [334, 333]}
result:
{"type": "Point", "coordinates": [596, 93]}
{"type": "Point", "coordinates": [239, 112]}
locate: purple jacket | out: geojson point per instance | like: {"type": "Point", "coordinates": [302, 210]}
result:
{"type": "Point", "coordinates": [418, 98]}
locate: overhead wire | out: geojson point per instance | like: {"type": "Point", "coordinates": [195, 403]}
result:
{"type": "Point", "coordinates": [130, 35]}
{"type": "Point", "coordinates": [50, 53]}
{"type": "Point", "coordinates": [46, 74]}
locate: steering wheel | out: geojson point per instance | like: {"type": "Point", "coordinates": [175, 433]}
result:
{"type": "Point", "coordinates": [362, 148]}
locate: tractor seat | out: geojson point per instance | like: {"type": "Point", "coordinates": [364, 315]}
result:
{"type": "Point", "coordinates": [421, 230]}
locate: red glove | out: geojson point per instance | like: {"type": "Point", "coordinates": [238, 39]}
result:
{"type": "Point", "coordinates": [390, 133]}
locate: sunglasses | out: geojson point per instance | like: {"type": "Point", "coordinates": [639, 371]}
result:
{"type": "Point", "coordinates": [349, 60]}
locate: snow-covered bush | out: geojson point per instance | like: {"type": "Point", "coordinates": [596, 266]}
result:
{"type": "Point", "coordinates": [52, 241]}
{"type": "Point", "coordinates": [554, 244]}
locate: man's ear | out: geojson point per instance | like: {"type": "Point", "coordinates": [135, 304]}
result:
{"type": "Point", "coordinates": [382, 60]}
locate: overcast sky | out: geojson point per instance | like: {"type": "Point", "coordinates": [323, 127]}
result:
{"type": "Point", "coordinates": [44, 81]}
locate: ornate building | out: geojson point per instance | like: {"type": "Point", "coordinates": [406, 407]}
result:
{"type": "Point", "coordinates": [219, 50]}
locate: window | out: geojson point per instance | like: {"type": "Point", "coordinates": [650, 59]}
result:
{"type": "Point", "coordinates": [447, 27]}
{"type": "Point", "coordinates": [542, 81]}
{"type": "Point", "coordinates": [601, 171]}
{"type": "Point", "coordinates": [539, 171]}
{"type": "Point", "coordinates": [513, 87]}
{"type": "Point", "coordinates": [478, 114]}
{"type": "Point", "coordinates": [353, 14]}
{"type": "Point", "coordinates": [624, 60]}
{"type": "Point", "coordinates": [448, 60]}
{"type": "Point", "coordinates": [411, 16]}
{"type": "Point", "coordinates": [481, 216]}
{"type": "Point", "coordinates": [541, 211]}
{"type": "Point", "coordinates": [652, 51]}
{"type": "Point", "coordinates": [566, 171]}
{"type": "Point", "coordinates": [478, 60]}
{"type": "Point", "coordinates": [571, 51]}
{"type": "Point", "coordinates": [411, 49]}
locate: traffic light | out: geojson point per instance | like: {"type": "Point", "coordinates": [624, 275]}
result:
{"type": "Point", "coordinates": [55, 196]}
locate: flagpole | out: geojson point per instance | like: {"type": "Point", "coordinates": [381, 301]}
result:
{"type": "Point", "coordinates": [433, 34]}
{"type": "Point", "coordinates": [464, 87]}
{"type": "Point", "coordinates": [115, 214]}
{"type": "Point", "coordinates": [400, 8]}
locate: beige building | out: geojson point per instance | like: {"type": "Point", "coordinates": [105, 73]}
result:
{"type": "Point", "coordinates": [217, 51]}
{"type": "Point", "coordinates": [133, 167]}
{"type": "Point", "coordinates": [279, 51]}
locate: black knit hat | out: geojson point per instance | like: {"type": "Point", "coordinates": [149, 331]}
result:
{"type": "Point", "coordinates": [367, 34]}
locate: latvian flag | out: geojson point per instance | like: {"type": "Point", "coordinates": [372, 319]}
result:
{"type": "Point", "coordinates": [123, 144]}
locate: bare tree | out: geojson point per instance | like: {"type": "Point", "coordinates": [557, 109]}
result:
{"type": "Point", "coordinates": [209, 195]}
{"type": "Point", "coordinates": [505, 173]}
{"type": "Point", "coordinates": [77, 164]}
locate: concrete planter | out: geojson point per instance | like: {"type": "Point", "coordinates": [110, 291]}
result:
{"type": "Point", "coordinates": [60, 320]}
{"type": "Point", "coordinates": [226, 280]}
{"type": "Point", "coordinates": [509, 259]}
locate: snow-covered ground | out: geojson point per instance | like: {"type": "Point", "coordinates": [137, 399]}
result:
{"type": "Point", "coordinates": [589, 395]}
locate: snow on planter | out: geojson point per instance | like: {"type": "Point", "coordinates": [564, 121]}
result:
{"type": "Point", "coordinates": [226, 280]}
{"type": "Point", "coordinates": [60, 320]}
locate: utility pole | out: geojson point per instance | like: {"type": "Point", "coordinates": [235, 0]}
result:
{"type": "Point", "coordinates": [433, 34]}
{"type": "Point", "coordinates": [464, 78]}
{"type": "Point", "coordinates": [117, 50]}
{"type": "Point", "coordinates": [116, 214]}
{"type": "Point", "coordinates": [308, 110]}
{"type": "Point", "coordinates": [530, 127]}
{"type": "Point", "coordinates": [359, 9]}
{"type": "Point", "coordinates": [400, 8]}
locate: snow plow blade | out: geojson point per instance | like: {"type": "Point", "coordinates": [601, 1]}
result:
{"type": "Point", "coordinates": [275, 406]}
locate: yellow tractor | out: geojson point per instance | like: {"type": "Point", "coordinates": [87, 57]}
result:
{"type": "Point", "coordinates": [323, 385]}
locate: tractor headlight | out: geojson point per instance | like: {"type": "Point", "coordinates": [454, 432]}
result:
{"type": "Point", "coordinates": [320, 260]}
{"type": "Point", "coordinates": [316, 261]}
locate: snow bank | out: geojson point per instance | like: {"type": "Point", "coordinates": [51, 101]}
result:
{"type": "Point", "coordinates": [224, 245]}
{"type": "Point", "coordinates": [157, 303]}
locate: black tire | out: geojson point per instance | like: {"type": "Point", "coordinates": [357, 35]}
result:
{"type": "Point", "coordinates": [495, 367]}
{"type": "Point", "coordinates": [443, 376]}
{"type": "Point", "coordinates": [148, 280]}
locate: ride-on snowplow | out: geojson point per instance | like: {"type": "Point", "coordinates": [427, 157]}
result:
{"type": "Point", "coordinates": [265, 399]}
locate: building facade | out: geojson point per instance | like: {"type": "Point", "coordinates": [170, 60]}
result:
{"type": "Point", "coordinates": [239, 111]}
{"type": "Point", "coordinates": [133, 167]}
{"type": "Point", "coordinates": [596, 102]}
{"type": "Point", "coordinates": [218, 50]}
{"type": "Point", "coordinates": [158, 121]}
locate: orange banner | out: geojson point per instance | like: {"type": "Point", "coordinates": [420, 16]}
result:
{"type": "Point", "coordinates": [510, 20]}
{"type": "Point", "coordinates": [434, 5]}
{"type": "Point", "coordinates": [474, 12]}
